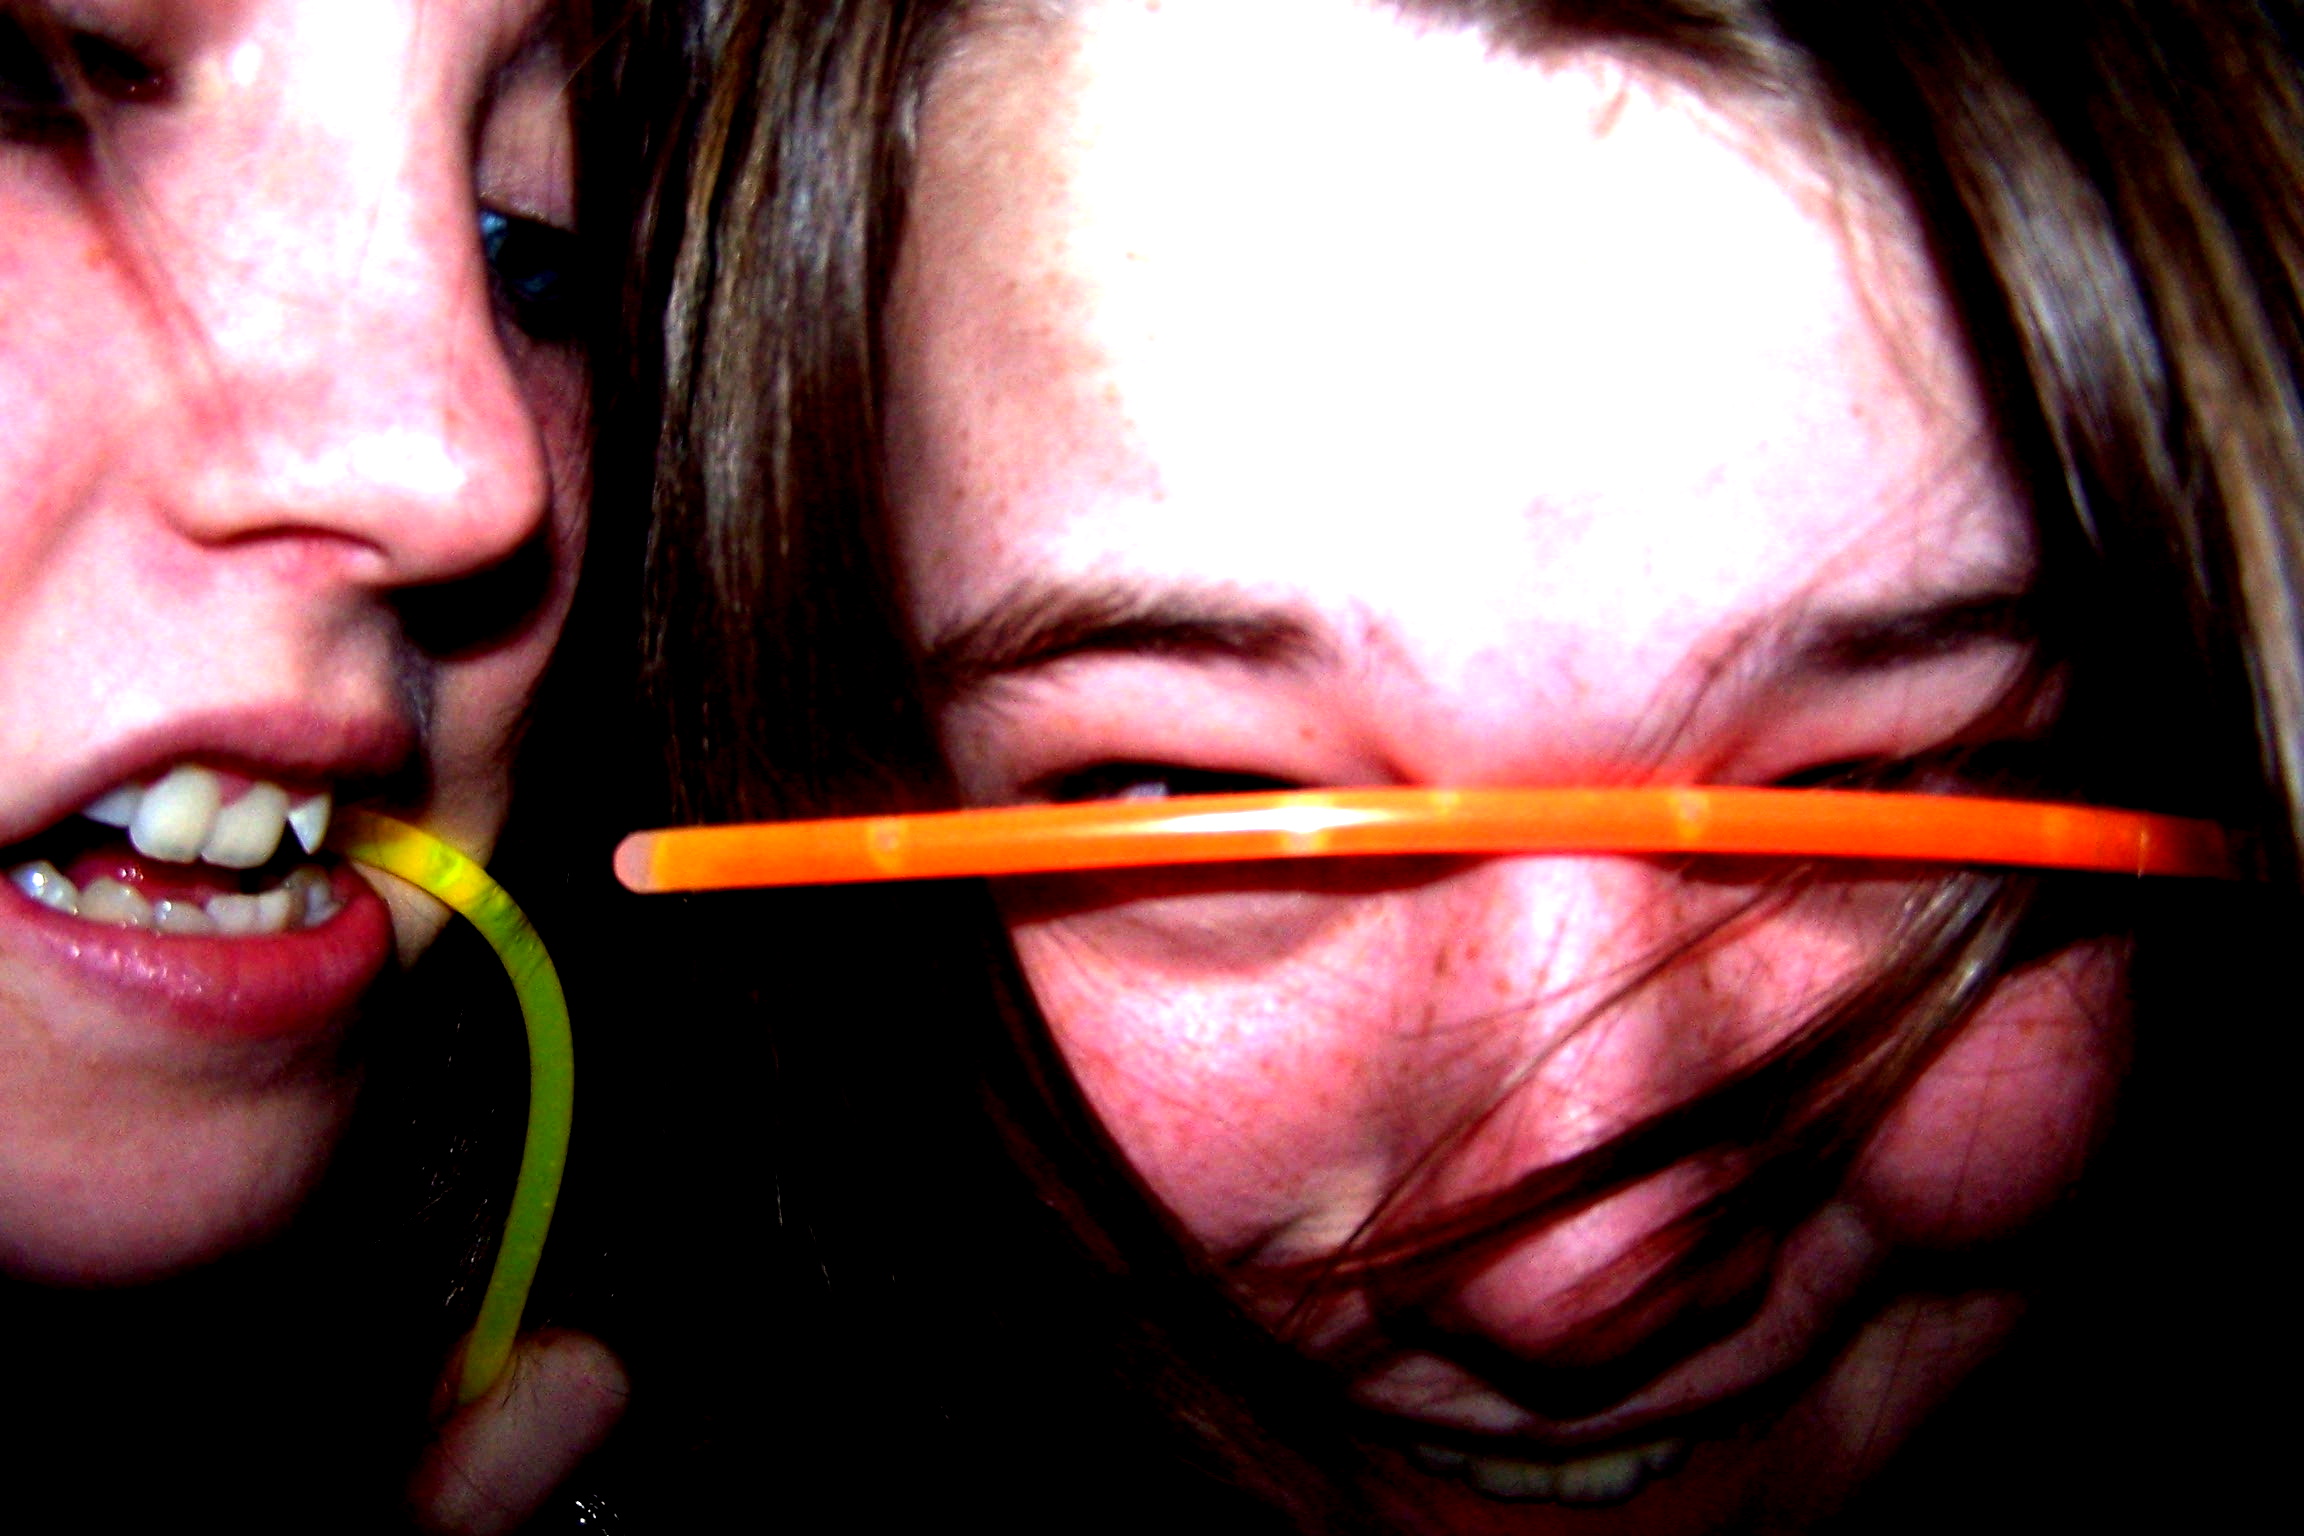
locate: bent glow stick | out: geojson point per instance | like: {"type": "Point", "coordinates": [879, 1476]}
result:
{"type": "Point", "coordinates": [430, 864]}
{"type": "Point", "coordinates": [1326, 823]}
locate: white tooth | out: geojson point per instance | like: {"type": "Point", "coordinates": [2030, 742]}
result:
{"type": "Point", "coordinates": [115, 808]}
{"type": "Point", "coordinates": [308, 819]}
{"type": "Point", "coordinates": [47, 885]}
{"type": "Point", "coordinates": [1506, 1478]}
{"type": "Point", "coordinates": [272, 911]}
{"type": "Point", "coordinates": [1664, 1456]}
{"type": "Point", "coordinates": [108, 901]}
{"type": "Point", "coordinates": [315, 896]}
{"type": "Point", "coordinates": [232, 914]}
{"type": "Point", "coordinates": [176, 814]}
{"type": "Point", "coordinates": [183, 917]}
{"type": "Point", "coordinates": [248, 830]}
{"type": "Point", "coordinates": [1438, 1458]}
{"type": "Point", "coordinates": [1600, 1479]}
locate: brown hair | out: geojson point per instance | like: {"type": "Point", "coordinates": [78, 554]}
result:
{"type": "Point", "coordinates": [2112, 189]}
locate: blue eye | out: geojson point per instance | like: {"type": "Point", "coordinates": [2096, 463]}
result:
{"type": "Point", "coordinates": [537, 271]}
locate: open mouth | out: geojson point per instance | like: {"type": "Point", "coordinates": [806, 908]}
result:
{"type": "Point", "coordinates": [195, 852]}
{"type": "Point", "coordinates": [1604, 1477]}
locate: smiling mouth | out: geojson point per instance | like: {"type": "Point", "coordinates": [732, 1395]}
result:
{"type": "Point", "coordinates": [206, 854]}
{"type": "Point", "coordinates": [1606, 1477]}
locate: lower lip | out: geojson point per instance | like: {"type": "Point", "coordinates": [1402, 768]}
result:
{"type": "Point", "coordinates": [250, 988]}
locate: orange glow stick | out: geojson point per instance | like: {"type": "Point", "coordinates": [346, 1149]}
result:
{"type": "Point", "coordinates": [1209, 829]}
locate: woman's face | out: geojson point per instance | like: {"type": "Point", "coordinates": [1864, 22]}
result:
{"type": "Point", "coordinates": [1286, 395]}
{"type": "Point", "coordinates": [293, 510]}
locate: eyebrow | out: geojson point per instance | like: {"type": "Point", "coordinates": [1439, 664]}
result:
{"type": "Point", "coordinates": [1037, 624]}
{"type": "Point", "coordinates": [1855, 643]}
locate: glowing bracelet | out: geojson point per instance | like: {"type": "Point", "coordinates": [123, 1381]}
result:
{"type": "Point", "coordinates": [424, 861]}
{"type": "Point", "coordinates": [1210, 829]}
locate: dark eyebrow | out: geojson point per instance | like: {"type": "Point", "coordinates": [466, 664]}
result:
{"type": "Point", "coordinates": [1851, 643]}
{"type": "Point", "coordinates": [1035, 624]}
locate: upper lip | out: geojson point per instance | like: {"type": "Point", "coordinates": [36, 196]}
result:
{"type": "Point", "coordinates": [293, 747]}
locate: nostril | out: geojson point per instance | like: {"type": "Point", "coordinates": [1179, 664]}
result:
{"type": "Point", "coordinates": [1571, 1352]}
{"type": "Point", "coordinates": [451, 618]}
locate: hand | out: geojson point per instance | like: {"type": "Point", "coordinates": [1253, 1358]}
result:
{"type": "Point", "coordinates": [495, 1461]}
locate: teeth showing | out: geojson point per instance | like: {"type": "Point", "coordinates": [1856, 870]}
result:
{"type": "Point", "coordinates": [108, 901]}
{"type": "Point", "coordinates": [45, 884]}
{"type": "Point", "coordinates": [174, 816]}
{"type": "Point", "coordinates": [304, 900]}
{"type": "Point", "coordinates": [308, 819]}
{"type": "Point", "coordinates": [1608, 1478]}
{"type": "Point", "coordinates": [182, 817]}
{"type": "Point", "coordinates": [116, 809]}
{"type": "Point", "coordinates": [245, 833]}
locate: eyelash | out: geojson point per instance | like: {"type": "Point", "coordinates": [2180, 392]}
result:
{"type": "Point", "coordinates": [537, 271]}
{"type": "Point", "coordinates": [36, 96]}
{"type": "Point", "coordinates": [2014, 766]}
{"type": "Point", "coordinates": [2011, 766]}
{"type": "Point", "coordinates": [1152, 781]}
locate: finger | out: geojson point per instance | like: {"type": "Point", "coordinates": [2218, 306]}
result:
{"type": "Point", "coordinates": [497, 1459]}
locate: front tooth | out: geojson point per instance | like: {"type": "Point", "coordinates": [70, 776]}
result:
{"type": "Point", "coordinates": [273, 910]}
{"type": "Point", "coordinates": [108, 901]}
{"type": "Point", "coordinates": [1504, 1477]}
{"type": "Point", "coordinates": [181, 917]}
{"type": "Point", "coordinates": [308, 819]}
{"type": "Point", "coordinates": [1601, 1479]}
{"type": "Point", "coordinates": [232, 913]}
{"type": "Point", "coordinates": [116, 808]}
{"type": "Point", "coordinates": [247, 831]}
{"type": "Point", "coordinates": [47, 885]}
{"type": "Point", "coordinates": [176, 814]}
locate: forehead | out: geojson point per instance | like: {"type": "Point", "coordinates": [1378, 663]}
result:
{"type": "Point", "coordinates": [1300, 293]}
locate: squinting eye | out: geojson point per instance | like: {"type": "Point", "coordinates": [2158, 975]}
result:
{"type": "Point", "coordinates": [1154, 781]}
{"type": "Point", "coordinates": [33, 100]}
{"type": "Point", "coordinates": [2016, 767]}
{"type": "Point", "coordinates": [537, 272]}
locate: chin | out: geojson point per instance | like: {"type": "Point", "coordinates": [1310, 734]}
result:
{"type": "Point", "coordinates": [118, 1227]}
{"type": "Point", "coordinates": [137, 1182]}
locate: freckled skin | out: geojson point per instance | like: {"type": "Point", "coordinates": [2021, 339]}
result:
{"type": "Point", "coordinates": [256, 389]}
{"type": "Point", "coordinates": [1546, 399]}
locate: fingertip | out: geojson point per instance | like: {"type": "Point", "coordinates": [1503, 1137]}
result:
{"type": "Point", "coordinates": [497, 1459]}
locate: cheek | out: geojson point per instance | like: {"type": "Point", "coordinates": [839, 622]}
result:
{"type": "Point", "coordinates": [483, 694]}
{"type": "Point", "coordinates": [1254, 1107]}
{"type": "Point", "coordinates": [1997, 1129]}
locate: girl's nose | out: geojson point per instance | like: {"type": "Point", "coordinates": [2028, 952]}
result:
{"type": "Point", "coordinates": [342, 377]}
{"type": "Point", "coordinates": [1577, 982]}
{"type": "Point", "coordinates": [1606, 992]}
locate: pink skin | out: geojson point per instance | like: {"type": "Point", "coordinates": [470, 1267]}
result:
{"type": "Point", "coordinates": [256, 386]}
{"type": "Point", "coordinates": [1555, 414]}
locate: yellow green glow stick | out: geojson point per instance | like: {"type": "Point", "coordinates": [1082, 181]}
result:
{"type": "Point", "coordinates": [430, 864]}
